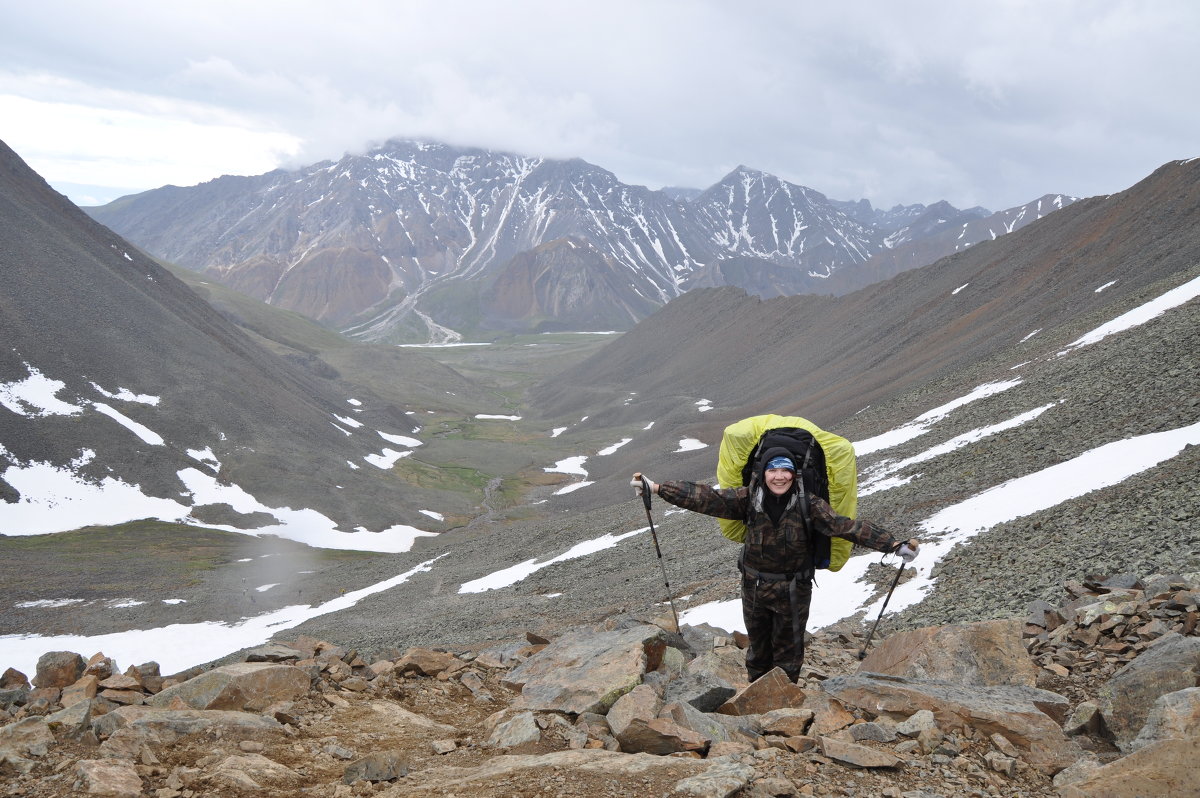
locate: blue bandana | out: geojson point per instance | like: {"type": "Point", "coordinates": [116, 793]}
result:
{"type": "Point", "coordinates": [781, 462]}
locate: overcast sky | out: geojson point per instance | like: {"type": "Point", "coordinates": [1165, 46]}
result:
{"type": "Point", "coordinates": [980, 103]}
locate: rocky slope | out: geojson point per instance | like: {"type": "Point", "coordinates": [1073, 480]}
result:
{"type": "Point", "coordinates": [1097, 695]}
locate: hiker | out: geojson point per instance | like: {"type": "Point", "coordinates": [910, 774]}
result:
{"type": "Point", "coordinates": [775, 602]}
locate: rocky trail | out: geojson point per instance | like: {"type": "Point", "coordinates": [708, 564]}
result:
{"type": "Point", "coordinates": [1098, 695]}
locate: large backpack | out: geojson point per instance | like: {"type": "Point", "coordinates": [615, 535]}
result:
{"type": "Point", "coordinates": [825, 463]}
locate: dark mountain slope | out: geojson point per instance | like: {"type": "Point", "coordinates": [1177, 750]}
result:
{"type": "Point", "coordinates": [826, 358]}
{"type": "Point", "coordinates": [83, 307]}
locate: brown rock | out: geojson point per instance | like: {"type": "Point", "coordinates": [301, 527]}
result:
{"type": "Point", "coordinates": [147, 675]}
{"type": "Point", "coordinates": [857, 755]}
{"type": "Point", "coordinates": [376, 767]}
{"type": "Point", "coordinates": [58, 669]}
{"type": "Point", "coordinates": [706, 725]}
{"type": "Point", "coordinates": [989, 652]}
{"type": "Point", "coordinates": [518, 730]}
{"type": "Point", "coordinates": [1084, 719]}
{"type": "Point", "coordinates": [83, 689]}
{"type": "Point", "coordinates": [1019, 713]}
{"type": "Point", "coordinates": [45, 696]}
{"type": "Point", "coordinates": [829, 714]}
{"type": "Point", "coordinates": [120, 682]}
{"type": "Point", "coordinates": [108, 777]}
{"type": "Point", "coordinates": [772, 690]}
{"type": "Point", "coordinates": [729, 748]}
{"type": "Point", "coordinates": [13, 678]}
{"type": "Point", "coordinates": [245, 770]}
{"type": "Point", "coordinates": [801, 743]}
{"type": "Point", "coordinates": [1174, 715]}
{"type": "Point", "coordinates": [587, 670]}
{"type": "Point", "coordinates": [787, 722]}
{"type": "Point", "coordinates": [27, 737]}
{"type": "Point", "coordinates": [185, 721]}
{"type": "Point", "coordinates": [242, 686]}
{"type": "Point", "coordinates": [1171, 663]}
{"type": "Point", "coordinates": [641, 703]}
{"type": "Point", "coordinates": [124, 697]}
{"type": "Point", "coordinates": [1166, 768]}
{"type": "Point", "coordinates": [659, 736]}
{"type": "Point", "coordinates": [101, 666]}
{"type": "Point", "coordinates": [425, 662]}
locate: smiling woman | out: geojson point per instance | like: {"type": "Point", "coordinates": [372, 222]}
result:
{"type": "Point", "coordinates": [97, 145]}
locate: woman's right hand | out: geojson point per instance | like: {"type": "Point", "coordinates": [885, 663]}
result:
{"type": "Point", "coordinates": [640, 482]}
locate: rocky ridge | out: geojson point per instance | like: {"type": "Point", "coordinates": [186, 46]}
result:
{"type": "Point", "coordinates": [1097, 695]}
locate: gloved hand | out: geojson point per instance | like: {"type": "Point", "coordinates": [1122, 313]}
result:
{"type": "Point", "coordinates": [639, 487]}
{"type": "Point", "coordinates": [908, 550]}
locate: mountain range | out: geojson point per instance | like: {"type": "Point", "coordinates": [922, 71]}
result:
{"type": "Point", "coordinates": [416, 241]}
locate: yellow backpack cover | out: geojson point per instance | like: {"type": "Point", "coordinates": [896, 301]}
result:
{"type": "Point", "coordinates": [739, 441]}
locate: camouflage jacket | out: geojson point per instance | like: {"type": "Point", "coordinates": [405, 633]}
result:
{"type": "Point", "coordinates": [772, 548]}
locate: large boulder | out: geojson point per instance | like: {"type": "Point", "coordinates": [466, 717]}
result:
{"type": "Point", "coordinates": [772, 690]}
{"type": "Point", "coordinates": [1170, 663]}
{"type": "Point", "coordinates": [989, 652]}
{"type": "Point", "coordinates": [1173, 715]}
{"type": "Point", "coordinates": [1028, 717]}
{"type": "Point", "coordinates": [1167, 767]}
{"type": "Point", "coordinates": [27, 737]}
{"type": "Point", "coordinates": [704, 690]}
{"type": "Point", "coordinates": [251, 686]}
{"type": "Point", "coordinates": [58, 669]}
{"type": "Point", "coordinates": [108, 777]}
{"type": "Point", "coordinates": [587, 670]}
{"type": "Point", "coordinates": [185, 721]}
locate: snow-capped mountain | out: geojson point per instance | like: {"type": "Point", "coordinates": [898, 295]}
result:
{"type": "Point", "coordinates": [407, 241]}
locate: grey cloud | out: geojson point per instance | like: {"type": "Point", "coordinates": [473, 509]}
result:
{"type": "Point", "coordinates": [991, 104]}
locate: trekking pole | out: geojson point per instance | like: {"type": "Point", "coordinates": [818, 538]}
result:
{"type": "Point", "coordinates": [657, 550]}
{"type": "Point", "coordinates": [863, 653]}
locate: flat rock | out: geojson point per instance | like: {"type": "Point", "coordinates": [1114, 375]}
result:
{"type": "Point", "coordinates": [1018, 713]}
{"type": "Point", "coordinates": [108, 777]}
{"type": "Point", "coordinates": [989, 652]}
{"type": "Point", "coordinates": [858, 755]}
{"type": "Point", "coordinates": [720, 781]}
{"type": "Point", "coordinates": [184, 721]}
{"type": "Point", "coordinates": [587, 670]}
{"type": "Point", "coordinates": [274, 652]}
{"type": "Point", "coordinates": [520, 729]}
{"type": "Point", "coordinates": [252, 686]}
{"type": "Point", "coordinates": [376, 767]}
{"type": "Point", "coordinates": [592, 760]}
{"type": "Point", "coordinates": [389, 714]}
{"type": "Point", "coordinates": [234, 770]}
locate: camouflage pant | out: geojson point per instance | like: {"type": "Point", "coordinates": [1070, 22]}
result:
{"type": "Point", "coordinates": [767, 611]}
